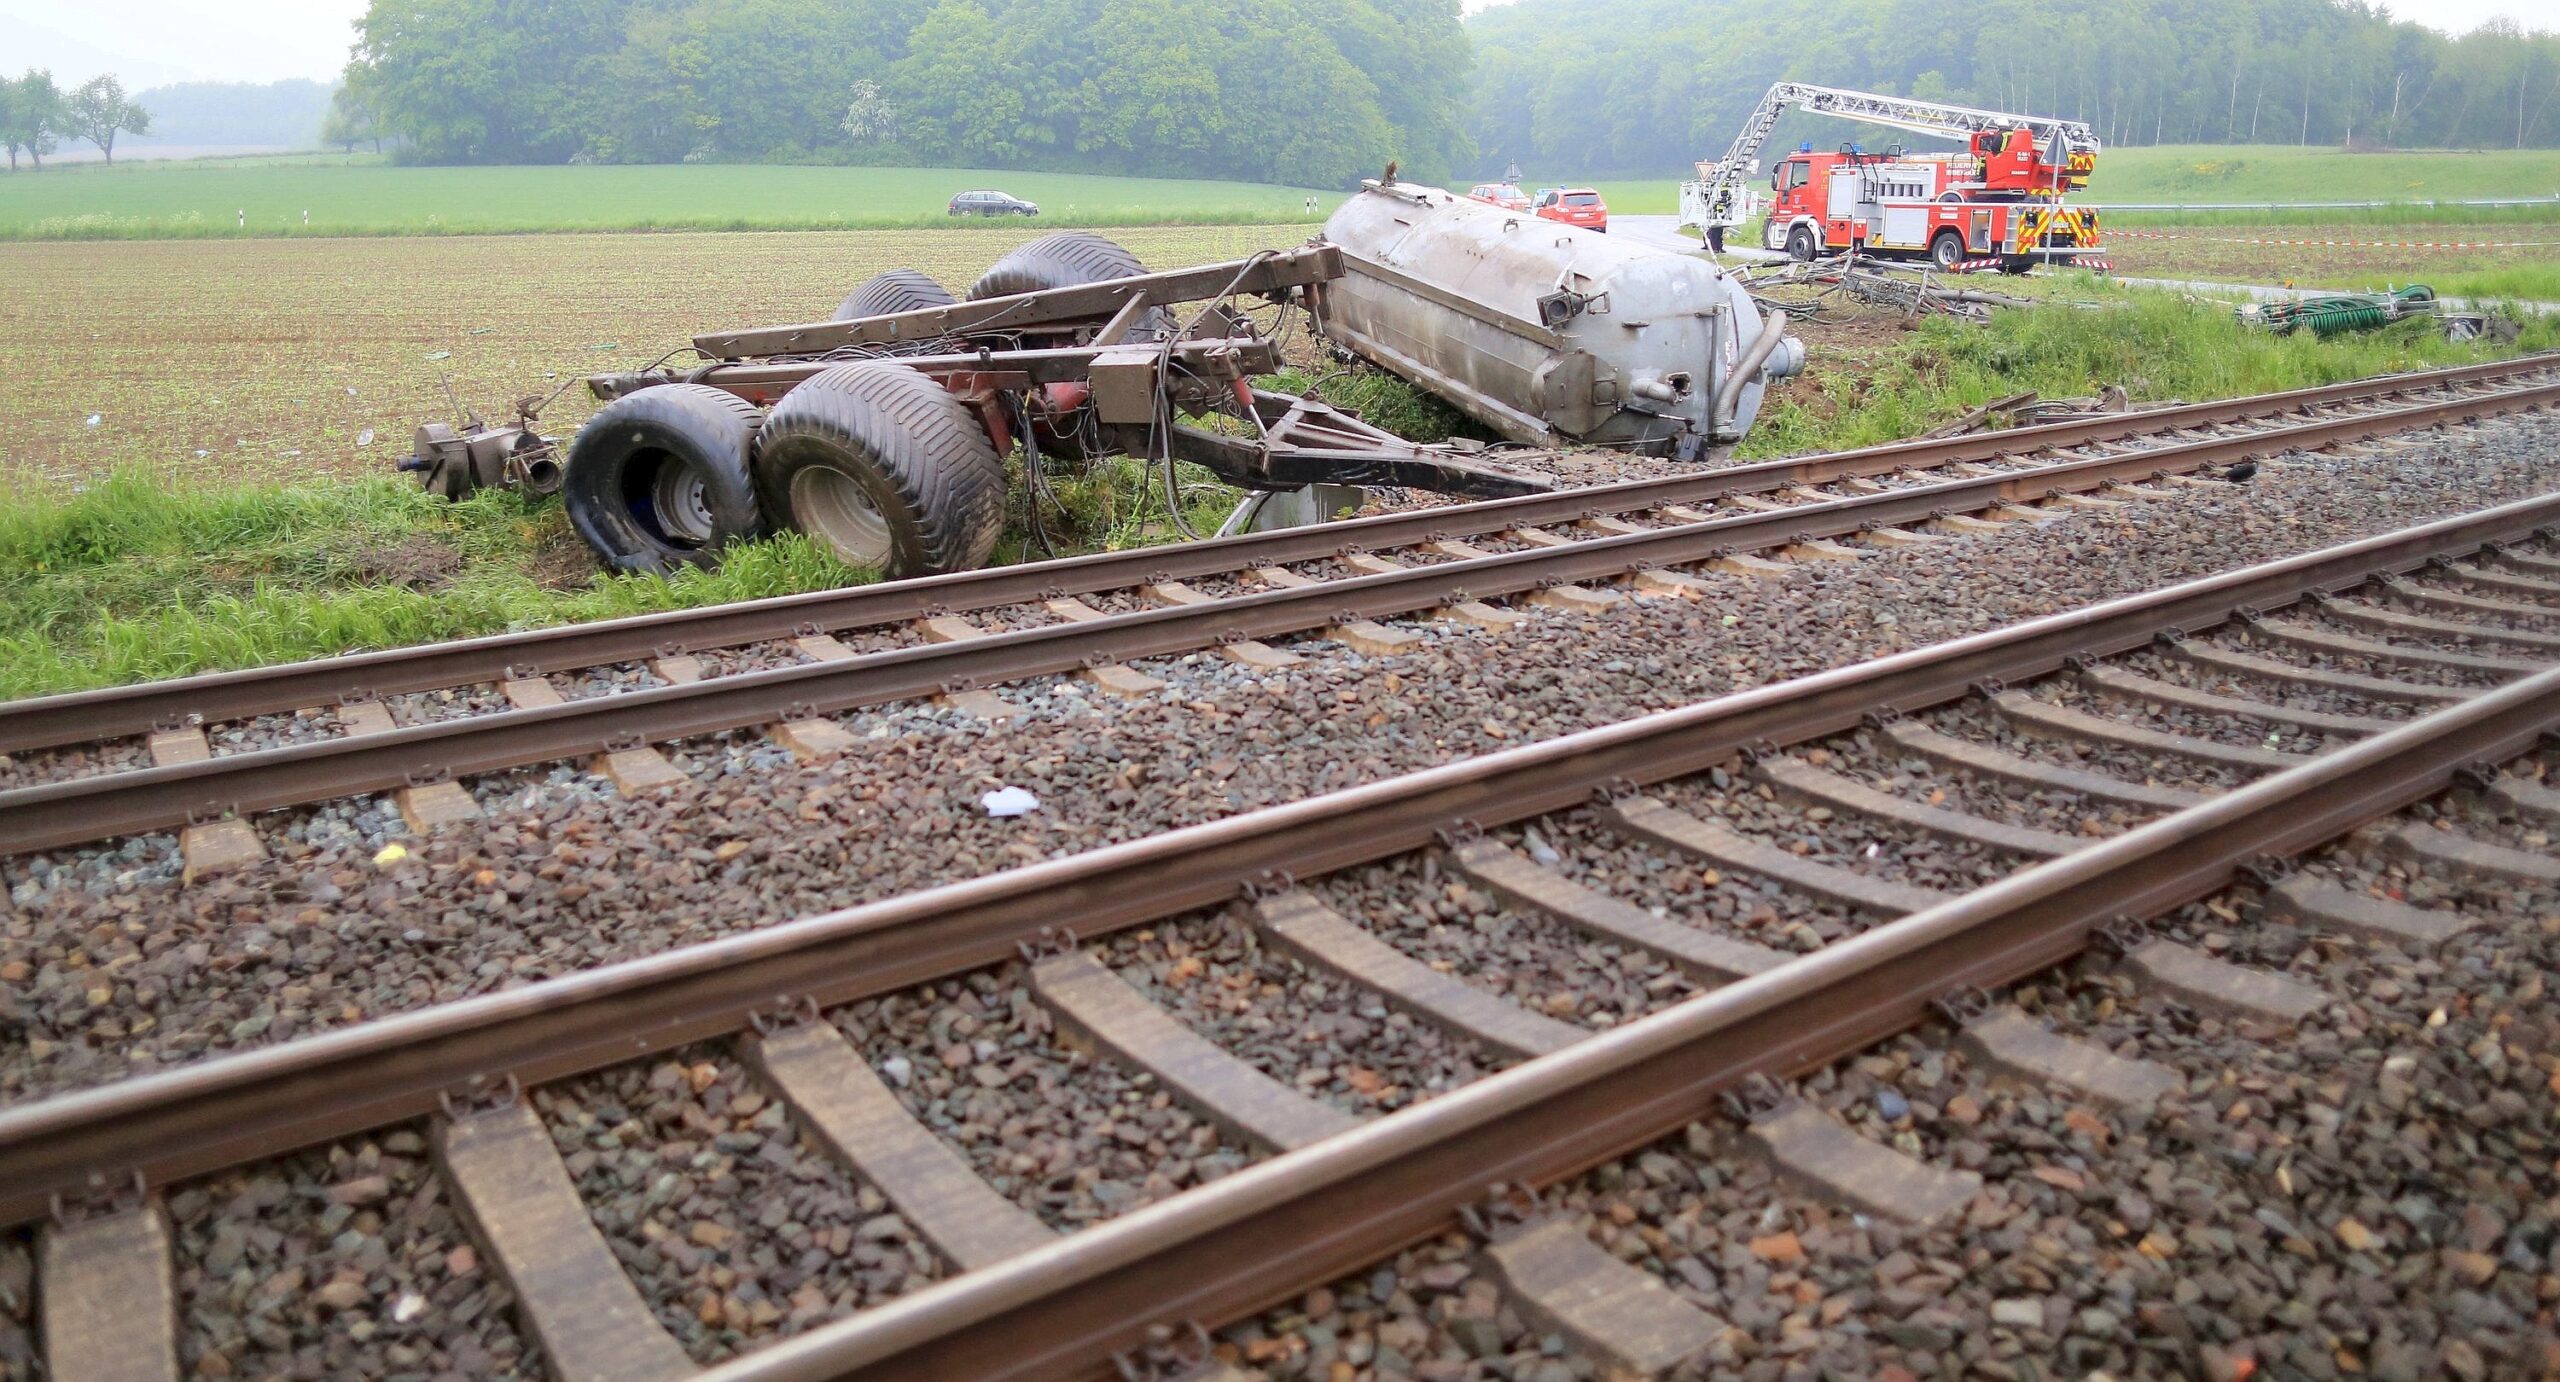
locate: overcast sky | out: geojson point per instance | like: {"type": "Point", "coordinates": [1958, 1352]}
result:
{"type": "Point", "coordinates": [152, 41]}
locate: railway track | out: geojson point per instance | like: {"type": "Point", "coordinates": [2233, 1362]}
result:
{"type": "Point", "coordinates": [143, 761]}
{"type": "Point", "coordinates": [2213, 730]}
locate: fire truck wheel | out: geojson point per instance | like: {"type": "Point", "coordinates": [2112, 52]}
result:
{"type": "Point", "coordinates": [1947, 250]}
{"type": "Point", "coordinates": [1067, 259]}
{"type": "Point", "coordinates": [1800, 246]}
{"type": "Point", "coordinates": [658, 479]}
{"type": "Point", "coordinates": [884, 468]}
{"type": "Point", "coordinates": [898, 290]}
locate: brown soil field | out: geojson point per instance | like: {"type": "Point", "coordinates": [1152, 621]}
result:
{"type": "Point", "coordinates": [2260, 254]}
{"type": "Point", "coordinates": [273, 359]}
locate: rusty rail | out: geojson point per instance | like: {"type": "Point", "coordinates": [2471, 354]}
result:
{"type": "Point", "coordinates": [115, 804]}
{"type": "Point", "coordinates": [221, 696]}
{"type": "Point", "coordinates": [236, 1108]}
{"type": "Point", "coordinates": [1245, 1242]}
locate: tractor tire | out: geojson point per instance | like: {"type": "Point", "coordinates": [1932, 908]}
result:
{"type": "Point", "coordinates": [659, 479]}
{"type": "Point", "coordinates": [898, 290]}
{"type": "Point", "coordinates": [1946, 251]}
{"type": "Point", "coordinates": [1065, 259]}
{"type": "Point", "coordinates": [884, 468]}
{"type": "Point", "coordinates": [1800, 245]}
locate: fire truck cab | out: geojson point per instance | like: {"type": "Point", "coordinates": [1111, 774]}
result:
{"type": "Point", "coordinates": [1998, 204]}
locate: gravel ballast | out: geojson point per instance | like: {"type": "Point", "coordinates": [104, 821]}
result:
{"type": "Point", "coordinates": [578, 877]}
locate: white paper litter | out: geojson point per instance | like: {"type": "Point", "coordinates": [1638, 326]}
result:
{"type": "Point", "coordinates": [1005, 803]}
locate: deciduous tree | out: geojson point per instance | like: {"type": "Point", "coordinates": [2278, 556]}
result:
{"type": "Point", "coordinates": [99, 111]}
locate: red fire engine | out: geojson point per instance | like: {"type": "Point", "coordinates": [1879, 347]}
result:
{"type": "Point", "coordinates": [1998, 204]}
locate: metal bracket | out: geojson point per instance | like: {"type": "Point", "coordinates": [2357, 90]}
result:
{"type": "Point", "coordinates": [1505, 1205]}
{"type": "Point", "coordinates": [808, 628]}
{"type": "Point", "coordinates": [1962, 1004]}
{"type": "Point", "coordinates": [1170, 1352]}
{"type": "Point", "coordinates": [799, 710]}
{"type": "Point", "coordinates": [1611, 791]}
{"type": "Point", "coordinates": [783, 1012]}
{"type": "Point", "coordinates": [518, 672]}
{"type": "Point", "coordinates": [1989, 687]}
{"type": "Point", "coordinates": [99, 1198]}
{"type": "Point", "coordinates": [957, 685]}
{"type": "Point", "coordinates": [1755, 1098]}
{"type": "Point", "coordinates": [1269, 883]}
{"type": "Point", "coordinates": [354, 695]}
{"type": "Point", "coordinates": [2121, 935]}
{"type": "Point", "coordinates": [428, 775]}
{"type": "Point", "coordinates": [1459, 833]}
{"type": "Point", "coordinates": [2265, 870]}
{"type": "Point", "coordinates": [1879, 717]}
{"type": "Point", "coordinates": [2480, 774]}
{"type": "Point", "coordinates": [206, 813]}
{"type": "Point", "coordinates": [2171, 636]}
{"type": "Point", "coordinates": [479, 1096]}
{"type": "Point", "coordinates": [1052, 941]}
{"type": "Point", "coordinates": [624, 742]}
{"type": "Point", "coordinates": [172, 724]}
{"type": "Point", "coordinates": [2249, 615]}
{"type": "Point", "coordinates": [1758, 751]}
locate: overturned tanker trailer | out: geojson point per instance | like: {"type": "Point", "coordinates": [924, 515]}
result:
{"type": "Point", "coordinates": [1549, 334]}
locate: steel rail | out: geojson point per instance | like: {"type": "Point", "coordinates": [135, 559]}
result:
{"type": "Point", "coordinates": [220, 696]}
{"type": "Point", "coordinates": [110, 805]}
{"type": "Point", "coordinates": [236, 1108]}
{"type": "Point", "coordinates": [1306, 1217]}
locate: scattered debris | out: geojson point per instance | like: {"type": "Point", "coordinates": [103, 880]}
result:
{"type": "Point", "coordinates": [1005, 803]}
{"type": "Point", "coordinates": [2327, 314]}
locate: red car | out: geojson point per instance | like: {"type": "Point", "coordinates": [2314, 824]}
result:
{"type": "Point", "coordinates": [1506, 195]}
{"type": "Point", "coordinates": [1575, 206]}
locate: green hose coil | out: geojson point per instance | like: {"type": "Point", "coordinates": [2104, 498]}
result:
{"type": "Point", "coordinates": [2330, 314]}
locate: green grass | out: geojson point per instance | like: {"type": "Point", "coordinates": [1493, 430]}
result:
{"type": "Point", "coordinates": [2159, 346]}
{"type": "Point", "coordinates": [2188, 173]}
{"type": "Point", "coordinates": [141, 577]}
{"type": "Point", "coordinates": [138, 578]}
{"type": "Point", "coordinates": [2526, 282]}
{"type": "Point", "coordinates": [368, 197]}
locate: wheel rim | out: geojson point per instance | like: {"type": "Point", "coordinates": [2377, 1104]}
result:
{"type": "Point", "coordinates": [668, 499]}
{"type": "Point", "coordinates": [834, 508]}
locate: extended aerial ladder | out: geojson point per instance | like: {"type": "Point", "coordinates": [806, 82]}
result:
{"type": "Point", "coordinates": [1721, 197]}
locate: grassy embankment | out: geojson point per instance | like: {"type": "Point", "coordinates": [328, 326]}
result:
{"type": "Point", "coordinates": [204, 199]}
{"type": "Point", "coordinates": [140, 576]}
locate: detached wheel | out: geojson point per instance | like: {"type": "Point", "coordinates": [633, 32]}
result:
{"type": "Point", "coordinates": [1947, 251]}
{"type": "Point", "coordinates": [1800, 246]}
{"type": "Point", "coordinates": [659, 479]}
{"type": "Point", "coordinates": [1066, 259]}
{"type": "Point", "coordinates": [885, 469]}
{"type": "Point", "coordinates": [898, 290]}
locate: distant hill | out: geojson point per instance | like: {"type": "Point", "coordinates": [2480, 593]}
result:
{"type": "Point", "coordinates": [285, 114]}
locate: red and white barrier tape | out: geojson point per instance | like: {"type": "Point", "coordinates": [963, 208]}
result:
{"type": "Point", "coordinates": [2113, 234]}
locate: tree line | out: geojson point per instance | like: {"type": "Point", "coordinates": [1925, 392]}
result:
{"type": "Point", "coordinates": [36, 115]}
{"type": "Point", "coordinates": [1310, 92]}
{"type": "Point", "coordinates": [1648, 86]}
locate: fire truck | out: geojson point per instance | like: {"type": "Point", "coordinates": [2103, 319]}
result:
{"type": "Point", "coordinates": [1999, 204]}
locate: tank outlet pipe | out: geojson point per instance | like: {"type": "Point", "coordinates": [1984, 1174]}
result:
{"type": "Point", "coordinates": [1773, 333]}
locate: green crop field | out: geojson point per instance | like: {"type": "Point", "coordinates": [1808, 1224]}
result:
{"type": "Point", "coordinates": [364, 196]}
{"type": "Point", "coordinates": [2189, 173]}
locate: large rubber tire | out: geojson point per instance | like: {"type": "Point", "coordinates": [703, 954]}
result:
{"type": "Point", "coordinates": [898, 290]}
{"type": "Point", "coordinates": [1946, 251]}
{"type": "Point", "coordinates": [1800, 245]}
{"type": "Point", "coordinates": [884, 468]}
{"type": "Point", "coordinates": [659, 479]}
{"type": "Point", "coordinates": [1060, 259]}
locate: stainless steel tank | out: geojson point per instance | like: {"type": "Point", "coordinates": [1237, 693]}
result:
{"type": "Point", "coordinates": [1550, 334]}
